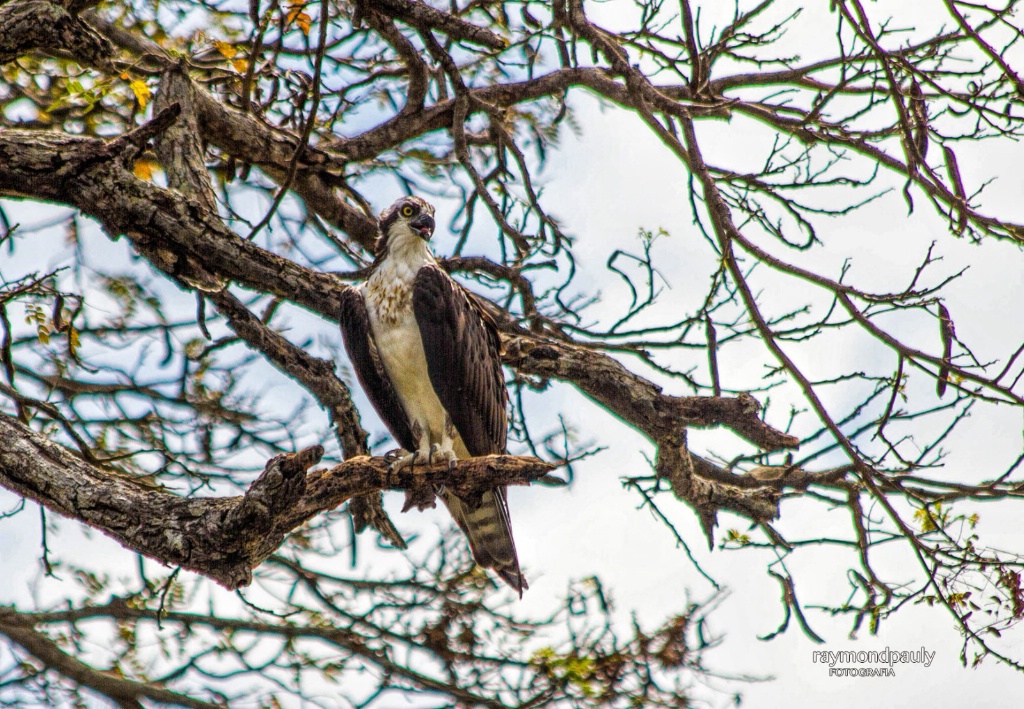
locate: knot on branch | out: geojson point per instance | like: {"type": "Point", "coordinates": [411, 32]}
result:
{"type": "Point", "coordinates": [280, 485]}
{"type": "Point", "coordinates": [636, 400]}
{"type": "Point", "coordinates": [130, 145]}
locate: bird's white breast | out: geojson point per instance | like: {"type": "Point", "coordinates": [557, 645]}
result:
{"type": "Point", "coordinates": [388, 295]}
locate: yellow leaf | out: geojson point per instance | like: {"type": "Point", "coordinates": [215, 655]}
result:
{"type": "Point", "coordinates": [225, 48]}
{"type": "Point", "coordinates": [296, 15]}
{"type": "Point", "coordinates": [141, 92]}
{"type": "Point", "coordinates": [240, 65]}
{"type": "Point", "coordinates": [925, 520]}
{"type": "Point", "coordinates": [144, 170]}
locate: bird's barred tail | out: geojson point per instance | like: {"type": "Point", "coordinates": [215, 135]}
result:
{"type": "Point", "coordinates": [489, 531]}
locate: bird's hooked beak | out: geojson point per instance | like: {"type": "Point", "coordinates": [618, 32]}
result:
{"type": "Point", "coordinates": [423, 225]}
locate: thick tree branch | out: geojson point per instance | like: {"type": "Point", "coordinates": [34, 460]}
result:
{"type": "Point", "coordinates": [272, 149]}
{"type": "Point", "coordinates": [29, 25]}
{"type": "Point", "coordinates": [633, 398]}
{"type": "Point", "coordinates": [222, 538]}
{"type": "Point", "coordinates": [179, 148]}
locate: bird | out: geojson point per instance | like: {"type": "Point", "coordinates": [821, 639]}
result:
{"type": "Point", "coordinates": [428, 356]}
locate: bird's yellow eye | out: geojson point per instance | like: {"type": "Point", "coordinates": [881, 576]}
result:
{"type": "Point", "coordinates": [407, 211]}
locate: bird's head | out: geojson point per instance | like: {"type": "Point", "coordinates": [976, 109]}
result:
{"type": "Point", "coordinates": [409, 215]}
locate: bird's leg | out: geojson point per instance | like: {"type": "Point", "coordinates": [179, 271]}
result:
{"type": "Point", "coordinates": [418, 494]}
{"type": "Point", "coordinates": [442, 451]}
{"type": "Point", "coordinates": [422, 452]}
{"type": "Point", "coordinates": [445, 450]}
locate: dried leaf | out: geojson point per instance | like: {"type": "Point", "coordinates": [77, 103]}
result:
{"type": "Point", "coordinates": [59, 322]}
{"type": "Point", "coordinates": [919, 119]}
{"type": "Point", "coordinates": [297, 15]}
{"type": "Point", "coordinates": [73, 342]}
{"type": "Point", "coordinates": [143, 169]}
{"type": "Point", "coordinates": [712, 339]}
{"type": "Point", "coordinates": [953, 171]}
{"type": "Point", "coordinates": [226, 49]}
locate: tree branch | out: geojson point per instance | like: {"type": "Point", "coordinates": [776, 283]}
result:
{"type": "Point", "coordinates": [222, 538]}
{"type": "Point", "coordinates": [424, 16]}
{"type": "Point", "coordinates": [636, 400]}
{"type": "Point", "coordinates": [125, 693]}
{"type": "Point", "coordinates": [39, 24]}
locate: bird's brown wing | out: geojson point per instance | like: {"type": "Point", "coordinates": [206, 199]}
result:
{"type": "Point", "coordinates": [463, 353]}
{"type": "Point", "coordinates": [355, 331]}
{"type": "Point", "coordinates": [362, 351]}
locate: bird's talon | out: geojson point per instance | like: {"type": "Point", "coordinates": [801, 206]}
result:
{"type": "Point", "coordinates": [402, 461]}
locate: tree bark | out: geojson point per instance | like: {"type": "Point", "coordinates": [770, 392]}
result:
{"type": "Point", "coordinates": [223, 538]}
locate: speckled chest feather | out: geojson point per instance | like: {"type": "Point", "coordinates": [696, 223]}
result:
{"type": "Point", "coordinates": [389, 290]}
{"type": "Point", "coordinates": [389, 301]}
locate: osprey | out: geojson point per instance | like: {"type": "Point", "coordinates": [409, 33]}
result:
{"type": "Point", "coordinates": [428, 357]}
